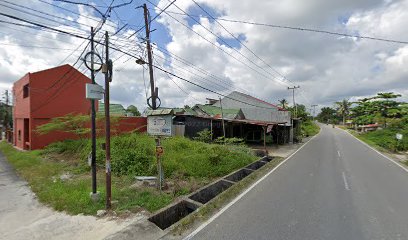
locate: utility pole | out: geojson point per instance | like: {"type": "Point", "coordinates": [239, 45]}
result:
{"type": "Point", "coordinates": [153, 90]}
{"type": "Point", "coordinates": [5, 116]}
{"type": "Point", "coordinates": [293, 97]}
{"type": "Point", "coordinates": [222, 118]}
{"type": "Point", "coordinates": [294, 110]}
{"type": "Point", "coordinates": [94, 194]}
{"type": "Point", "coordinates": [154, 95]}
{"type": "Point", "coordinates": [314, 110]}
{"type": "Point", "coordinates": [108, 78]}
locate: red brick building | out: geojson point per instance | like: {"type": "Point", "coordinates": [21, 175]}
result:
{"type": "Point", "coordinates": [43, 95]}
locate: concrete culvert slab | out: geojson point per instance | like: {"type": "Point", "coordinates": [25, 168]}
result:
{"type": "Point", "coordinates": [239, 175]}
{"type": "Point", "coordinates": [210, 192]}
{"type": "Point", "coordinates": [266, 159]}
{"type": "Point", "coordinates": [173, 214]}
{"type": "Point", "coordinates": [256, 165]}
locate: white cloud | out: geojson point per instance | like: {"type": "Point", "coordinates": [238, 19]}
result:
{"type": "Point", "coordinates": [328, 68]}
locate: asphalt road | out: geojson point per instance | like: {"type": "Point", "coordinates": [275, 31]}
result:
{"type": "Point", "coordinates": [333, 188]}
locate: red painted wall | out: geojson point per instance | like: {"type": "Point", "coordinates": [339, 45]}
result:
{"type": "Point", "coordinates": [129, 124]}
{"type": "Point", "coordinates": [53, 93]}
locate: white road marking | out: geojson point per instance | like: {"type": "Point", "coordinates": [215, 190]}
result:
{"type": "Point", "coordinates": [191, 235]}
{"type": "Point", "coordinates": [375, 150]}
{"type": "Point", "coordinates": [338, 153]}
{"type": "Point", "coordinates": [346, 185]}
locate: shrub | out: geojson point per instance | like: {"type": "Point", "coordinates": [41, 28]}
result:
{"type": "Point", "coordinates": [204, 136]}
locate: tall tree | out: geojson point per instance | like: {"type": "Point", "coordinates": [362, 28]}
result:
{"type": "Point", "coordinates": [343, 109]}
{"type": "Point", "coordinates": [327, 115]}
{"type": "Point", "coordinates": [378, 109]}
{"type": "Point", "coordinates": [283, 102]}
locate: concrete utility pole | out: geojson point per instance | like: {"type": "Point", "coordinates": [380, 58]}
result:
{"type": "Point", "coordinates": [293, 97]}
{"type": "Point", "coordinates": [222, 119]}
{"type": "Point", "coordinates": [314, 110]}
{"type": "Point", "coordinates": [154, 95]}
{"type": "Point", "coordinates": [153, 90]}
{"type": "Point", "coordinates": [94, 194]}
{"type": "Point", "coordinates": [294, 110]}
{"type": "Point", "coordinates": [108, 78]}
{"type": "Point", "coordinates": [6, 116]}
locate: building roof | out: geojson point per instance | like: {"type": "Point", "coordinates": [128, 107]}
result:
{"type": "Point", "coordinates": [160, 111]}
{"type": "Point", "coordinates": [214, 111]}
{"type": "Point", "coordinates": [241, 100]}
{"type": "Point", "coordinates": [114, 109]}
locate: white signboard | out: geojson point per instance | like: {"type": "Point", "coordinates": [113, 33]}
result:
{"type": "Point", "coordinates": [94, 91]}
{"type": "Point", "coordinates": [398, 136]}
{"type": "Point", "coordinates": [160, 125]}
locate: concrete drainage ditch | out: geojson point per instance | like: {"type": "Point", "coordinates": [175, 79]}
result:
{"type": "Point", "coordinates": [239, 175]}
{"type": "Point", "coordinates": [173, 214]}
{"type": "Point", "coordinates": [176, 212]}
{"type": "Point", "coordinates": [256, 165]}
{"type": "Point", "coordinates": [206, 194]}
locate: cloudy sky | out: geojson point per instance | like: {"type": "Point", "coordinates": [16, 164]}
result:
{"type": "Point", "coordinates": [216, 54]}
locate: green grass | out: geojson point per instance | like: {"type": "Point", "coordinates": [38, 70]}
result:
{"type": "Point", "coordinates": [385, 139]}
{"type": "Point", "coordinates": [188, 165]}
{"type": "Point", "coordinates": [309, 128]}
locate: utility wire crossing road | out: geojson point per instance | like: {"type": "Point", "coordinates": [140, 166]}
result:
{"type": "Point", "coordinates": [335, 187]}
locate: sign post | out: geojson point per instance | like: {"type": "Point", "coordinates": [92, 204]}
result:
{"type": "Point", "coordinates": [159, 124]}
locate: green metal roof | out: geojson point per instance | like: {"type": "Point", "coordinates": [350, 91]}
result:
{"type": "Point", "coordinates": [159, 112]}
{"type": "Point", "coordinates": [213, 110]}
{"type": "Point", "coordinates": [114, 109]}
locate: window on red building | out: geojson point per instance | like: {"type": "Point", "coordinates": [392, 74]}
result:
{"type": "Point", "coordinates": [26, 91]}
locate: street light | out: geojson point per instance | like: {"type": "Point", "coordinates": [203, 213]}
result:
{"type": "Point", "coordinates": [140, 61]}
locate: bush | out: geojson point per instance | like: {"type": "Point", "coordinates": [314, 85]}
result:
{"type": "Point", "coordinates": [134, 154]}
{"type": "Point", "coordinates": [229, 141]}
{"type": "Point", "coordinates": [309, 128]}
{"type": "Point", "coordinates": [204, 136]}
{"type": "Point", "coordinates": [385, 138]}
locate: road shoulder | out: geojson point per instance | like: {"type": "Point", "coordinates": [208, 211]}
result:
{"type": "Point", "coordinates": [386, 154]}
{"type": "Point", "coordinates": [193, 224]}
{"type": "Point", "coordinates": [23, 217]}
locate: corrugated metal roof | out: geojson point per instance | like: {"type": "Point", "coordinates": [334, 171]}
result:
{"type": "Point", "coordinates": [167, 111]}
{"type": "Point", "coordinates": [114, 109]}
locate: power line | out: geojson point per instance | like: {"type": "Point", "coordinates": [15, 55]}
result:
{"type": "Point", "coordinates": [34, 10]}
{"type": "Point", "coordinates": [207, 89]}
{"type": "Point", "coordinates": [239, 41]}
{"type": "Point", "coordinates": [33, 46]}
{"type": "Point", "coordinates": [223, 41]}
{"type": "Point", "coordinates": [221, 49]}
{"type": "Point", "coordinates": [305, 29]}
{"type": "Point", "coordinates": [162, 10]}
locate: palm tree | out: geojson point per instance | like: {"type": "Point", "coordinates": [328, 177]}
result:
{"type": "Point", "coordinates": [283, 103]}
{"type": "Point", "coordinates": [343, 108]}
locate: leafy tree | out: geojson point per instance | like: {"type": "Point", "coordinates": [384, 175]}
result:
{"type": "Point", "coordinates": [5, 115]}
{"type": "Point", "coordinates": [381, 108]}
{"type": "Point", "coordinates": [283, 103]}
{"type": "Point", "coordinates": [76, 124]}
{"type": "Point", "coordinates": [327, 115]}
{"type": "Point", "coordinates": [343, 109]}
{"type": "Point", "coordinates": [133, 110]}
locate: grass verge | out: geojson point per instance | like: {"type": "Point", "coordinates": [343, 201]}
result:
{"type": "Point", "coordinates": [310, 128]}
{"type": "Point", "coordinates": [60, 177]}
{"type": "Point", "coordinates": [207, 210]}
{"type": "Point", "coordinates": [377, 143]}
